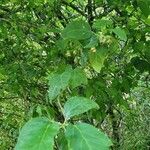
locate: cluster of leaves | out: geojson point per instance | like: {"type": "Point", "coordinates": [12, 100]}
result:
{"type": "Point", "coordinates": [39, 133]}
{"type": "Point", "coordinates": [62, 58]}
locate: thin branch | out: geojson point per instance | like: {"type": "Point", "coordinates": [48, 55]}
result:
{"type": "Point", "coordinates": [61, 16]}
{"type": "Point", "coordinates": [90, 12]}
{"type": "Point", "coordinates": [74, 7]}
{"type": "Point", "coordinates": [13, 97]}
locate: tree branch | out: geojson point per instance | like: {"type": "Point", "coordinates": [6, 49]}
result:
{"type": "Point", "coordinates": [74, 7]}
{"type": "Point", "coordinates": [90, 12]}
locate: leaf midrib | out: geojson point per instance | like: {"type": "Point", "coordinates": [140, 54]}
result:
{"type": "Point", "coordinates": [43, 135]}
{"type": "Point", "coordinates": [83, 137]}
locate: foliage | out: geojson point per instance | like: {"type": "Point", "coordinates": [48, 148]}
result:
{"type": "Point", "coordinates": [73, 70]}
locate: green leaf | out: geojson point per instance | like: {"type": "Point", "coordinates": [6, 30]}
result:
{"type": "Point", "coordinates": [93, 42]}
{"type": "Point", "coordinates": [58, 83]}
{"type": "Point", "coordinates": [102, 23]}
{"type": "Point", "coordinates": [144, 6]}
{"type": "Point", "coordinates": [77, 30]}
{"type": "Point", "coordinates": [120, 33]}
{"type": "Point", "coordinates": [78, 105]}
{"type": "Point", "coordinates": [97, 58]}
{"type": "Point", "coordinates": [37, 134]}
{"type": "Point", "coordinates": [83, 136]}
{"type": "Point", "coordinates": [78, 77]}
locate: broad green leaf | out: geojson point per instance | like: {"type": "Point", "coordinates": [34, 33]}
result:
{"type": "Point", "coordinates": [93, 42]}
{"type": "Point", "coordinates": [58, 83]}
{"type": "Point", "coordinates": [102, 23]}
{"type": "Point", "coordinates": [144, 6]}
{"type": "Point", "coordinates": [77, 30]}
{"type": "Point", "coordinates": [78, 105]}
{"type": "Point", "coordinates": [37, 134]}
{"type": "Point", "coordinates": [97, 58]}
{"type": "Point", "coordinates": [120, 33]}
{"type": "Point", "coordinates": [82, 136]}
{"type": "Point", "coordinates": [78, 77]}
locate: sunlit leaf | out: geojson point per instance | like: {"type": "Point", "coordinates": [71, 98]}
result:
{"type": "Point", "coordinates": [78, 105]}
{"type": "Point", "coordinates": [97, 58]}
{"type": "Point", "coordinates": [58, 83]}
{"type": "Point", "coordinates": [37, 134]}
{"type": "Point", "coordinates": [120, 33]}
{"type": "Point", "coordinates": [78, 30]}
{"type": "Point", "coordinates": [78, 78]}
{"type": "Point", "coordinates": [82, 136]}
